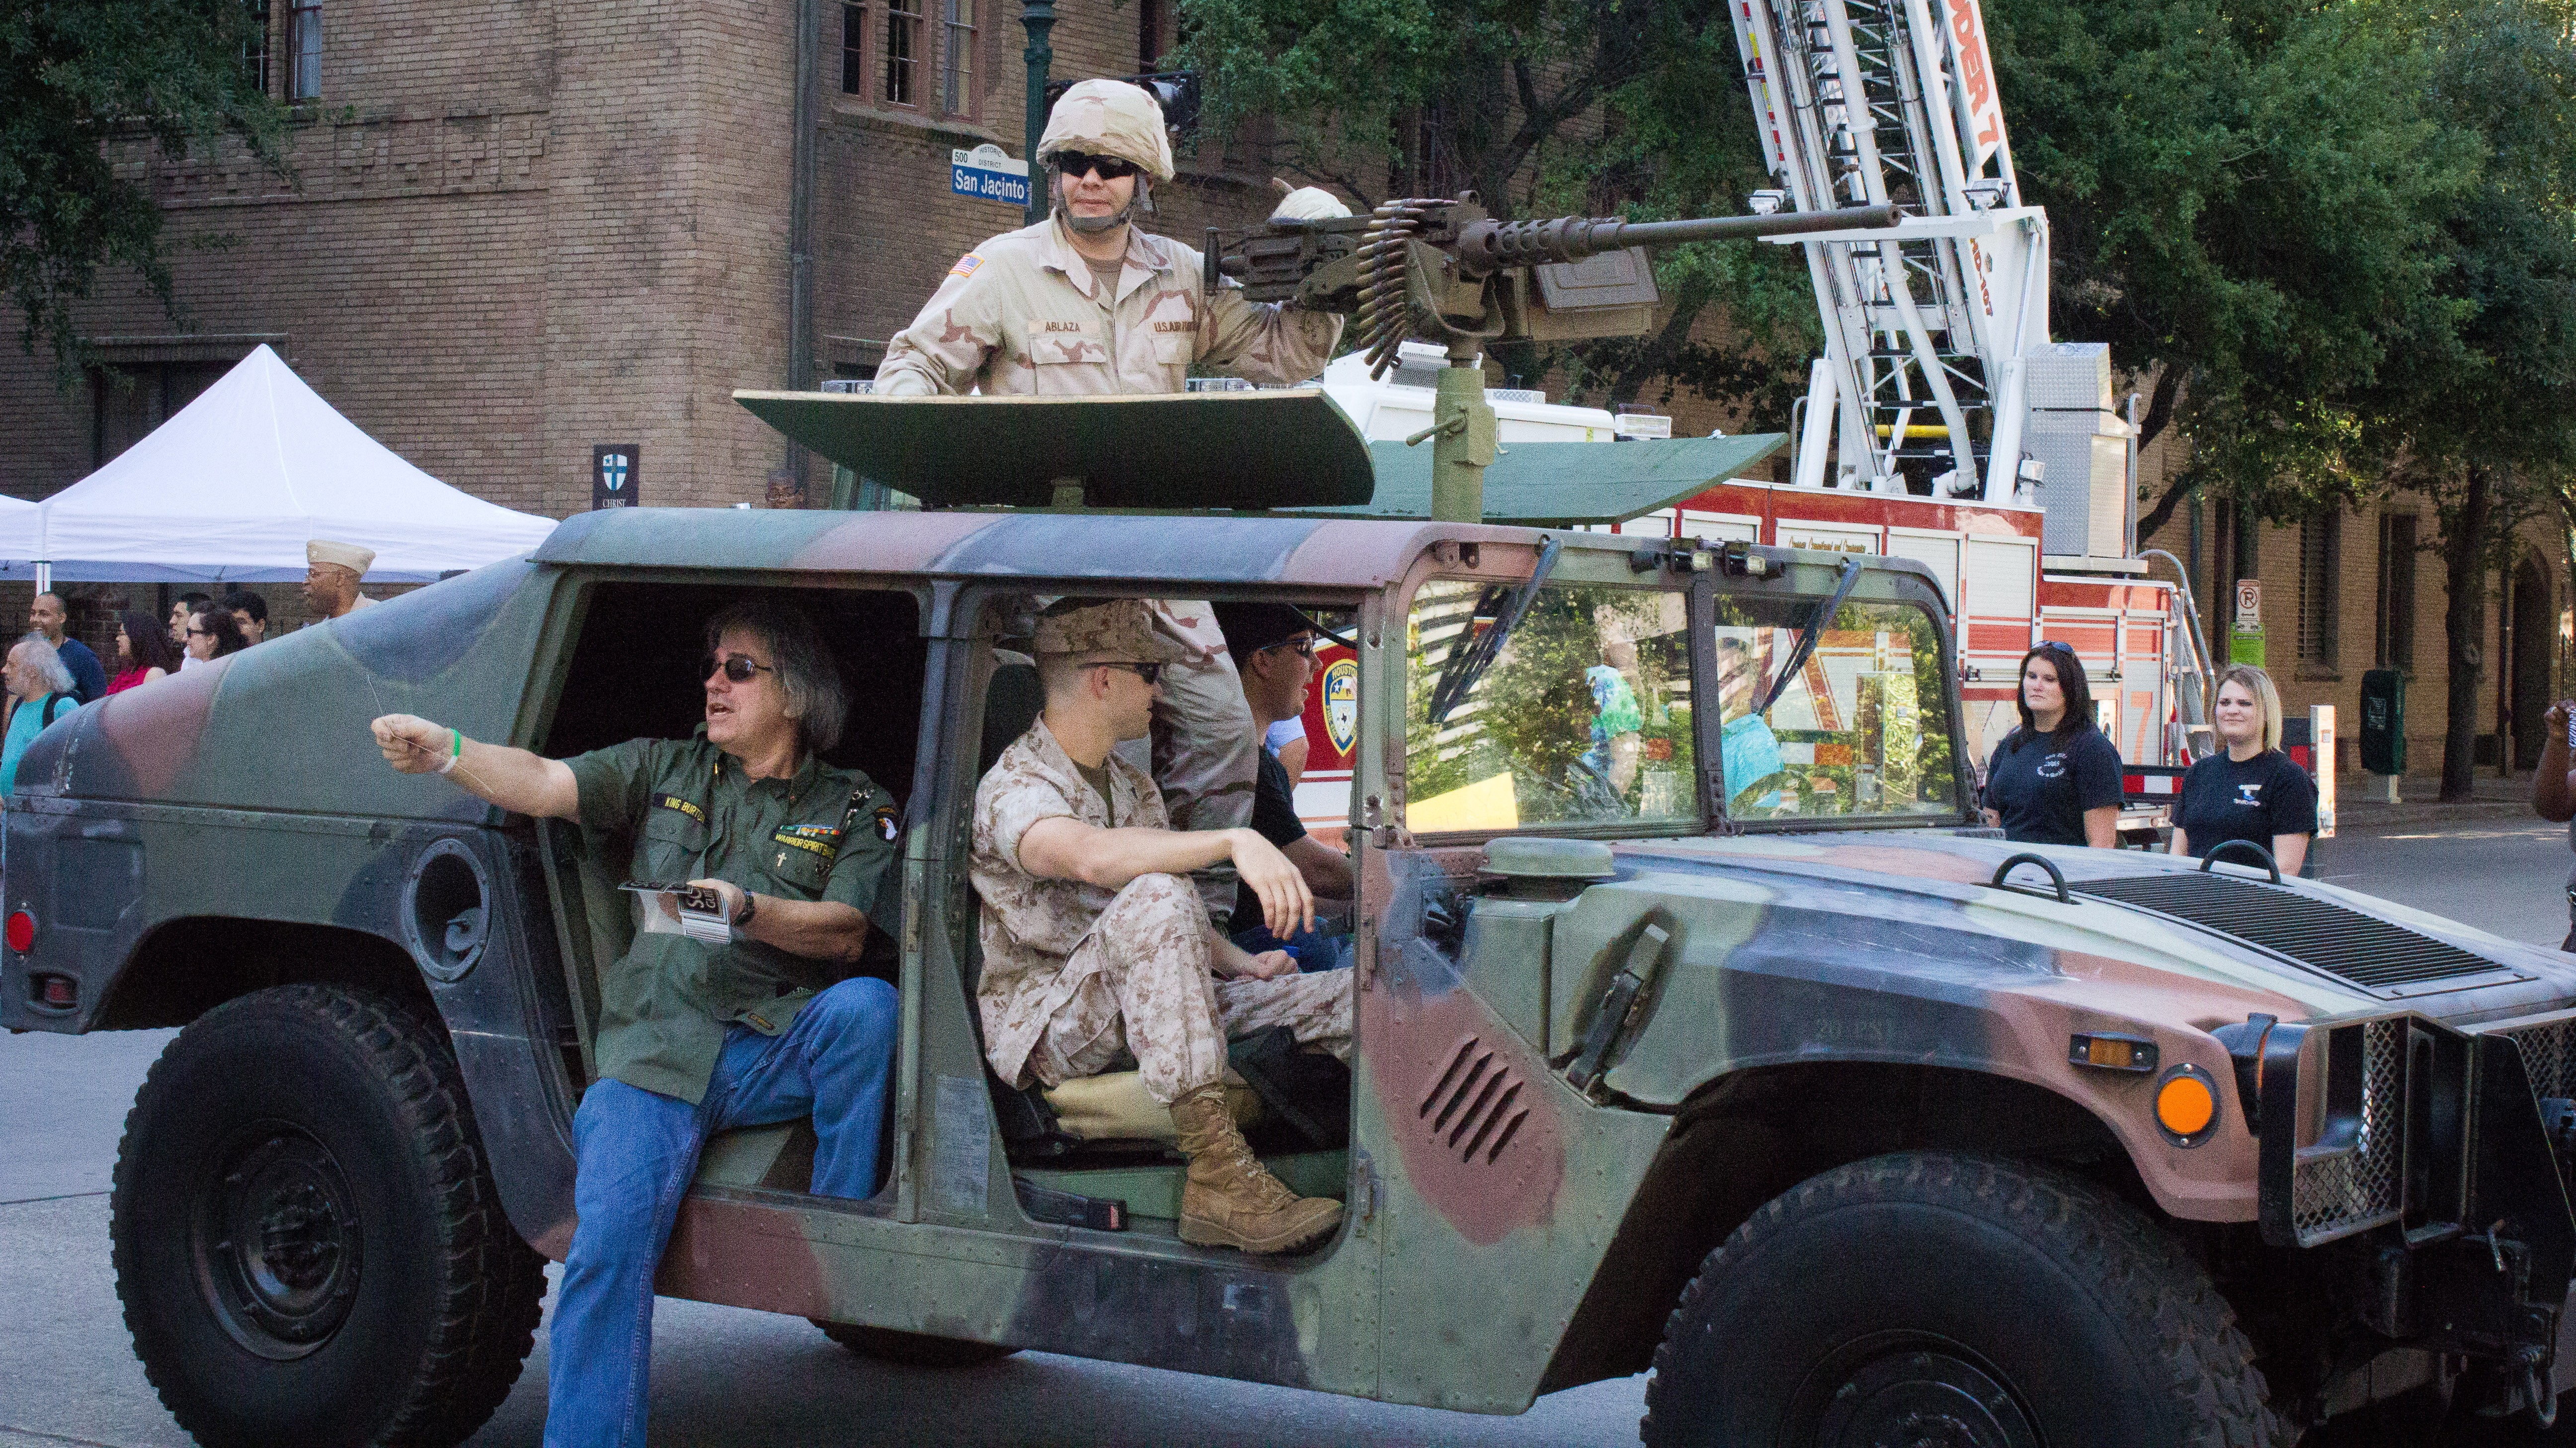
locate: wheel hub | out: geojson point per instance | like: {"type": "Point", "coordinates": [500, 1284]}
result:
{"type": "Point", "coordinates": [1922, 1397]}
{"type": "Point", "coordinates": [277, 1241]}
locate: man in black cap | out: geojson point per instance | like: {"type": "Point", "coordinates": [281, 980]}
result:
{"type": "Point", "coordinates": [1274, 654]}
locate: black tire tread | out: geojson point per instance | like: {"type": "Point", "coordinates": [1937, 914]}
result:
{"type": "Point", "coordinates": [2104, 1240]}
{"type": "Point", "coordinates": [495, 1283]}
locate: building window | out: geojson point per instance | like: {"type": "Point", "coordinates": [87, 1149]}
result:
{"type": "Point", "coordinates": [304, 50]}
{"type": "Point", "coordinates": [957, 57]}
{"type": "Point", "coordinates": [127, 402]}
{"type": "Point", "coordinates": [255, 46]}
{"type": "Point", "coordinates": [2319, 559]}
{"type": "Point", "coordinates": [2397, 591]}
{"type": "Point", "coordinates": [854, 47]}
{"type": "Point", "coordinates": [902, 51]}
{"type": "Point", "coordinates": [1149, 33]}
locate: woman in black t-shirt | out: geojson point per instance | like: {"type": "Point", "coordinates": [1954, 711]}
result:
{"type": "Point", "coordinates": [2055, 780]}
{"type": "Point", "coordinates": [2252, 791]}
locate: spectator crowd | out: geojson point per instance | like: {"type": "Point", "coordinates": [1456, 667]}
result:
{"type": "Point", "coordinates": [49, 673]}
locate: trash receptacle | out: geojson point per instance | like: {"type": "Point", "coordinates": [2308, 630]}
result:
{"type": "Point", "coordinates": [2383, 721]}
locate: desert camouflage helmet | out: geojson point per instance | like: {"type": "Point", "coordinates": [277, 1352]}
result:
{"type": "Point", "coordinates": [1110, 118]}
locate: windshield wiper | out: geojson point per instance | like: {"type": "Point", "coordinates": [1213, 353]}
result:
{"type": "Point", "coordinates": [1807, 636]}
{"type": "Point", "coordinates": [1467, 662]}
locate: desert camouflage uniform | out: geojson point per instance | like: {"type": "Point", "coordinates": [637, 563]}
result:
{"type": "Point", "coordinates": [1022, 314]}
{"type": "Point", "coordinates": [1074, 973]}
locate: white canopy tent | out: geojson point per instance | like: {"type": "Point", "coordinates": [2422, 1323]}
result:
{"type": "Point", "coordinates": [232, 487]}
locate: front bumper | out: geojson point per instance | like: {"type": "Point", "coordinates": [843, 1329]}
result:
{"type": "Point", "coordinates": [2449, 1154]}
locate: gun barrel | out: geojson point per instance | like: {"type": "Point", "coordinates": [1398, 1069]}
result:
{"type": "Point", "coordinates": [1490, 246]}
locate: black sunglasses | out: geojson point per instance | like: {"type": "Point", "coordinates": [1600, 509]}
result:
{"type": "Point", "coordinates": [1109, 168]}
{"type": "Point", "coordinates": [1301, 646]}
{"type": "Point", "coordinates": [737, 667]}
{"type": "Point", "coordinates": [1150, 673]}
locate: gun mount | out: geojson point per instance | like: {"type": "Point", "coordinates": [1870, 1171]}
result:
{"type": "Point", "coordinates": [1443, 269]}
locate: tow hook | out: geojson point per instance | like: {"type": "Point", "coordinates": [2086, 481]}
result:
{"type": "Point", "coordinates": [2535, 1388]}
{"type": "Point", "coordinates": [2558, 1119]}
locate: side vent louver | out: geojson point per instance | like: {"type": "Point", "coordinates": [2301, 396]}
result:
{"type": "Point", "coordinates": [1474, 1109]}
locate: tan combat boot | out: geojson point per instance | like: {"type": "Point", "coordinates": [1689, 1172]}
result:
{"type": "Point", "coordinates": [1229, 1198]}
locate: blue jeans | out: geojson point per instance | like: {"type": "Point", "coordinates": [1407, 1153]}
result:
{"type": "Point", "coordinates": [637, 1152]}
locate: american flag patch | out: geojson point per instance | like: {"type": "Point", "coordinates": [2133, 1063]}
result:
{"type": "Point", "coordinates": [966, 265]}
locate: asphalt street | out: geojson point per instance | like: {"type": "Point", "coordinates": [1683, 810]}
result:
{"type": "Point", "coordinates": [728, 1377]}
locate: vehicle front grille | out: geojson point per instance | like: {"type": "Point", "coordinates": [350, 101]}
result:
{"type": "Point", "coordinates": [2361, 950]}
{"type": "Point", "coordinates": [2352, 1191]}
{"type": "Point", "coordinates": [2549, 1056]}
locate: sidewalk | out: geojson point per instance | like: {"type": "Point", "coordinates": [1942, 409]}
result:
{"type": "Point", "coordinates": [2495, 799]}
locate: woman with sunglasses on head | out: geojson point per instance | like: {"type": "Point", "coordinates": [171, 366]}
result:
{"type": "Point", "coordinates": [2055, 780]}
{"type": "Point", "coordinates": [2251, 790]}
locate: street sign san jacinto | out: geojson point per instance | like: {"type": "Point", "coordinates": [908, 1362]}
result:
{"type": "Point", "coordinates": [986, 172]}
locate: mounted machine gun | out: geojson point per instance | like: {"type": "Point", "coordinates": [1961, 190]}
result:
{"type": "Point", "coordinates": [1445, 270]}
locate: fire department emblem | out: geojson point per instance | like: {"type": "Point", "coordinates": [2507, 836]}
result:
{"type": "Point", "coordinates": [1342, 704]}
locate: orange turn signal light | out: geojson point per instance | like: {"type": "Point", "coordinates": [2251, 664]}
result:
{"type": "Point", "coordinates": [2186, 1105]}
{"type": "Point", "coordinates": [2112, 1053]}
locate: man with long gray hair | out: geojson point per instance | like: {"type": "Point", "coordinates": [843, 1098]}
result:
{"type": "Point", "coordinates": [712, 1019]}
{"type": "Point", "coordinates": [40, 691]}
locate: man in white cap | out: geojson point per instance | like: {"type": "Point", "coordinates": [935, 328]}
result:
{"type": "Point", "coordinates": [331, 574]}
{"type": "Point", "coordinates": [1085, 303]}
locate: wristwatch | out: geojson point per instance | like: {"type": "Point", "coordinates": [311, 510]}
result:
{"type": "Point", "coordinates": [750, 903]}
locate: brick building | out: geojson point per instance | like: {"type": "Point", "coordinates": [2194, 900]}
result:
{"type": "Point", "coordinates": [2362, 589]}
{"type": "Point", "coordinates": [514, 232]}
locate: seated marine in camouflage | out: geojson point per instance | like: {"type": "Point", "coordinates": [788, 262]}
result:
{"type": "Point", "coordinates": [699, 1034]}
{"type": "Point", "coordinates": [1095, 944]}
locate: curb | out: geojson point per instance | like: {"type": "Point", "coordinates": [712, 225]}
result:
{"type": "Point", "coordinates": [2354, 817]}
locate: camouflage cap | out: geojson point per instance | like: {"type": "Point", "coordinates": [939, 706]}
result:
{"type": "Point", "coordinates": [1110, 118]}
{"type": "Point", "coordinates": [1121, 628]}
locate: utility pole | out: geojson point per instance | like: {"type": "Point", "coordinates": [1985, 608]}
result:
{"type": "Point", "coordinates": [1037, 17]}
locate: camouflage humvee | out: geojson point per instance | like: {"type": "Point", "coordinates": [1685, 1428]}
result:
{"type": "Point", "coordinates": [1700, 1028]}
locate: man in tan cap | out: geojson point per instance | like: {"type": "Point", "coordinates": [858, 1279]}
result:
{"type": "Point", "coordinates": [1094, 944]}
{"type": "Point", "coordinates": [1085, 303]}
{"type": "Point", "coordinates": [331, 574]}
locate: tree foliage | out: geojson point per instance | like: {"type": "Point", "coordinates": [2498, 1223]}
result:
{"type": "Point", "coordinates": [2488, 416]}
{"type": "Point", "coordinates": [2245, 199]}
{"type": "Point", "coordinates": [85, 80]}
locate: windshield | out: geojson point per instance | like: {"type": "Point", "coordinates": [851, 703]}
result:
{"type": "Point", "coordinates": [1583, 716]}
{"type": "Point", "coordinates": [1861, 728]}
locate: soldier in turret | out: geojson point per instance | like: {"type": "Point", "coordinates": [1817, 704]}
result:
{"type": "Point", "coordinates": [1085, 303]}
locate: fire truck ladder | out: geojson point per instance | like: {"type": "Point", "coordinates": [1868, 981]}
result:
{"type": "Point", "coordinates": [1838, 87]}
{"type": "Point", "coordinates": [2188, 670]}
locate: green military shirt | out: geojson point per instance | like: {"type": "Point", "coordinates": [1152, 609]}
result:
{"type": "Point", "coordinates": [666, 1003]}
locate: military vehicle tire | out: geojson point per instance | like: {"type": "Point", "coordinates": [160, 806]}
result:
{"type": "Point", "coordinates": [1959, 1300]}
{"type": "Point", "coordinates": [385, 1300]}
{"type": "Point", "coordinates": [912, 1349]}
